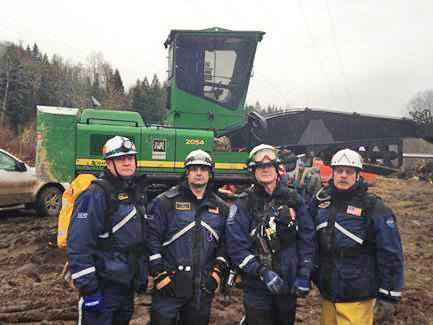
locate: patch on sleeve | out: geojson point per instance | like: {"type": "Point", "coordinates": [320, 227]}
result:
{"type": "Point", "coordinates": [183, 206]}
{"type": "Point", "coordinates": [390, 222]}
{"type": "Point", "coordinates": [82, 215]}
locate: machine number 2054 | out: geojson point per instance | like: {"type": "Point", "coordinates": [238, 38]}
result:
{"type": "Point", "coordinates": [194, 141]}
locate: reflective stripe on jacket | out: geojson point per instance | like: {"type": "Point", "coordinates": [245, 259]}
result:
{"type": "Point", "coordinates": [186, 235]}
{"type": "Point", "coordinates": [360, 252]}
{"type": "Point", "coordinates": [90, 260]}
{"type": "Point", "coordinates": [293, 260]}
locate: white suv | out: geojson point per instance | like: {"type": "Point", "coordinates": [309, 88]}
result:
{"type": "Point", "coordinates": [20, 188]}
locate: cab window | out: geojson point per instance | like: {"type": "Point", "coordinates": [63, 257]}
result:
{"type": "Point", "coordinates": [217, 74]}
{"type": "Point", "coordinates": [214, 68]}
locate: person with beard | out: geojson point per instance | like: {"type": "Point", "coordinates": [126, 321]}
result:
{"type": "Point", "coordinates": [360, 254]}
{"type": "Point", "coordinates": [270, 239]}
{"type": "Point", "coordinates": [106, 250]}
{"type": "Point", "coordinates": [186, 239]}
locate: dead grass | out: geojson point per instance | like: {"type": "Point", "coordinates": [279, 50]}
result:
{"type": "Point", "coordinates": [23, 145]}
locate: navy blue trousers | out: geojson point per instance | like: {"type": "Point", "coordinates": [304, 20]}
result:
{"type": "Point", "coordinates": [181, 311]}
{"type": "Point", "coordinates": [118, 306]}
{"type": "Point", "coordinates": [261, 307]}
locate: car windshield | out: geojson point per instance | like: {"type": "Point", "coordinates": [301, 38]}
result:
{"type": "Point", "coordinates": [7, 163]}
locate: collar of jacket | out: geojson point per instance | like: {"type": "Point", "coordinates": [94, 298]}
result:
{"type": "Point", "coordinates": [208, 193]}
{"type": "Point", "coordinates": [260, 191]}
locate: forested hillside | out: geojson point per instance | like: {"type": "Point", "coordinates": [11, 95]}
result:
{"type": "Point", "coordinates": [28, 77]}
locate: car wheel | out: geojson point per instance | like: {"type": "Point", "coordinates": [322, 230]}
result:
{"type": "Point", "coordinates": [49, 202]}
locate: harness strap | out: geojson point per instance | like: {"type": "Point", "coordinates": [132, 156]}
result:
{"type": "Point", "coordinates": [120, 224]}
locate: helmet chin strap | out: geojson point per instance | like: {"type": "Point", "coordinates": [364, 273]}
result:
{"type": "Point", "coordinates": [126, 179]}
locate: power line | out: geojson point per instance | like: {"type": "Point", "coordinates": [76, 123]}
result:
{"type": "Point", "coordinates": [51, 43]}
{"type": "Point", "coordinates": [283, 97]}
{"type": "Point", "coordinates": [318, 55]}
{"type": "Point", "coordinates": [261, 75]}
{"type": "Point", "coordinates": [277, 67]}
{"type": "Point", "coordinates": [88, 36]}
{"type": "Point", "coordinates": [40, 35]}
{"type": "Point", "coordinates": [293, 54]}
{"type": "Point", "coordinates": [204, 14]}
{"type": "Point", "coordinates": [41, 41]}
{"type": "Point", "coordinates": [338, 54]}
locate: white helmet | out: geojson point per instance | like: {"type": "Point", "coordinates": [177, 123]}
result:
{"type": "Point", "coordinates": [347, 157]}
{"type": "Point", "coordinates": [198, 157]}
{"type": "Point", "coordinates": [263, 154]}
{"type": "Point", "coordinates": [118, 146]}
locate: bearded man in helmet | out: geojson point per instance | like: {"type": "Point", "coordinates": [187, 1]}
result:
{"type": "Point", "coordinates": [360, 254]}
{"type": "Point", "coordinates": [270, 239]}
{"type": "Point", "coordinates": [186, 239]}
{"type": "Point", "coordinates": [106, 251]}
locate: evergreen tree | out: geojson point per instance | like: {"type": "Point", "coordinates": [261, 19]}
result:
{"type": "Point", "coordinates": [13, 88]}
{"type": "Point", "coordinates": [156, 107]}
{"type": "Point", "coordinates": [36, 54]}
{"type": "Point", "coordinates": [136, 95]}
{"type": "Point", "coordinates": [117, 84]}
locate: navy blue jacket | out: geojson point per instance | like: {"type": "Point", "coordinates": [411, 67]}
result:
{"type": "Point", "coordinates": [295, 260]}
{"type": "Point", "coordinates": [96, 258]}
{"type": "Point", "coordinates": [360, 253]}
{"type": "Point", "coordinates": [186, 235]}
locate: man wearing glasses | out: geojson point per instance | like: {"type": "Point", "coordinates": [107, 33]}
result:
{"type": "Point", "coordinates": [360, 255]}
{"type": "Point", "coordinates": [106, 250]}
{"type": "Point", "coordinates": [270, 239]}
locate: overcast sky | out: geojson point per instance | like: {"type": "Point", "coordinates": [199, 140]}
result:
{"type": "Point", "coordinates": [367, 56]}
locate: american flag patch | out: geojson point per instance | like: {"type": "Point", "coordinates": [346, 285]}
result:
{"type": "Point", "coordinates": [214, 210]}
{"type": "Point", "coordinates": [354, 210]}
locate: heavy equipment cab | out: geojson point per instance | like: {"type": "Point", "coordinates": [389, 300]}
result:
{"type": "Point", "coordinates": [209, 73]}
{"type": "Point", "coordinates": [208, 77]}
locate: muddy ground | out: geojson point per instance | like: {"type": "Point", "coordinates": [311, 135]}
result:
{"type": "Point", "coordinates": [31, 291]}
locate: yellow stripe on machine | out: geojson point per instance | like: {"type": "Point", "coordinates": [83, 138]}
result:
{"type": "Point", "coordinates": [157, 164]}
{"type": "Point", "coordinates": [90, 162]}
{"type": "Point", "coordinates": [230, 166]}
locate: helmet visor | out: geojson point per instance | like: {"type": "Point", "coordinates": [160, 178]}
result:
{"type": "Point", "coordinates": [264, 155]}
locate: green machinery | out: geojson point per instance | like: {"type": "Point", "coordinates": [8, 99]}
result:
{"type": "Point", "coordinates": [208, 76]}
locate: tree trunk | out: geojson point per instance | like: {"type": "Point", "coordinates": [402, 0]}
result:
{"type": "Point", "coordinates": [5, 96]}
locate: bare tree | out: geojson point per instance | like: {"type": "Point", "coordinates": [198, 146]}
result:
{"type": "Point", "coordinates": [420, 107]}
{"type": "Point", "coordinates": [4, 86]}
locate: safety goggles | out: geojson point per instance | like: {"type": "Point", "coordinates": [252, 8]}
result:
{"type": "Point", "coordinates": [263, 156]}
{"type": "Point", "coordinates": [263, 165]}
